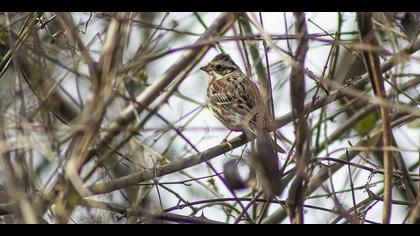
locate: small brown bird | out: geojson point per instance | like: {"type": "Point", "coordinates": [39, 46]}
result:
{"type": "Point", "coordinates": [234, 99]}
{"type": "Point", "coordinates": [236, 102]}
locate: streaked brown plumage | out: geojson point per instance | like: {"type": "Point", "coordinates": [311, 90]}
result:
{"type": "Point", "coordinates": [236, 102]}
{"type": "Point", "coordinates": [234, 99]}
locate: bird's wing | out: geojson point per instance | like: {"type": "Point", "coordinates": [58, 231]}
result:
{"type": "Point", "coordinates": [237, 95]}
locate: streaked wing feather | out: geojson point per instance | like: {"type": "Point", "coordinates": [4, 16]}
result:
{"type": "Point", "coordinates": [235, 95]}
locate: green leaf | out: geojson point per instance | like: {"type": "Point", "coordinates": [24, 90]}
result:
{"type": "Point", "coordinates": [367, 123]}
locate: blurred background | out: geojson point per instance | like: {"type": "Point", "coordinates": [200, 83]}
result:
{"type": "Point", "coordinates": [103, 116]}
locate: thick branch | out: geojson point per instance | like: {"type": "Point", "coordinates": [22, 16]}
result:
{"type": "Point", "coordinates": [178, 70]}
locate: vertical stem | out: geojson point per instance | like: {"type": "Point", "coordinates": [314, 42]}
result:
{"type": "Point", "coordinates": [302, 131]}
{"type": "Point", "coordinates": [371, 59]}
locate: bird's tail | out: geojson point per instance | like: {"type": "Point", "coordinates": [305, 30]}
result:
{"type": "Point", "coordinates": [265, 163]}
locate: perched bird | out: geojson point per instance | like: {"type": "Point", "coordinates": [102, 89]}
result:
{"type": "Point", "coordinates": [237, 103]}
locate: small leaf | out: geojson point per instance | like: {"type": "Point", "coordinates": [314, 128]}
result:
{"type": "Point", "coordinates": [367, 123]}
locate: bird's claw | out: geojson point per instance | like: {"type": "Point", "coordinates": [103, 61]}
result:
{"type": "Point", "coordinates": [225, 141]}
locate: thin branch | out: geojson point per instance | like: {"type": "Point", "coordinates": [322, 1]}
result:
{"type": "Point", "coordinates": [302, 131]}
{"type": "Point", "coordinates": [373, 67]}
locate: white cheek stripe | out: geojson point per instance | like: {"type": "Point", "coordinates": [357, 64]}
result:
{"type": "Point", "coordinates": [215, 76]}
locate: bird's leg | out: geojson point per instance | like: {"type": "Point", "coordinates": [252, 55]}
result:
{"type": "Point", "coordinates": [225, 140]}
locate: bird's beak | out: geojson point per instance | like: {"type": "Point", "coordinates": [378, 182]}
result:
{"type": "Point", "coordinates": [205, 68]}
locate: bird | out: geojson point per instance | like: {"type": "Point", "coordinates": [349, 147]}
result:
{"type": "Point", "coordinates": [236, 102]}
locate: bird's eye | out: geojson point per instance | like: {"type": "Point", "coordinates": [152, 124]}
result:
{"type": "Point", "coordinates": [218, 67]}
